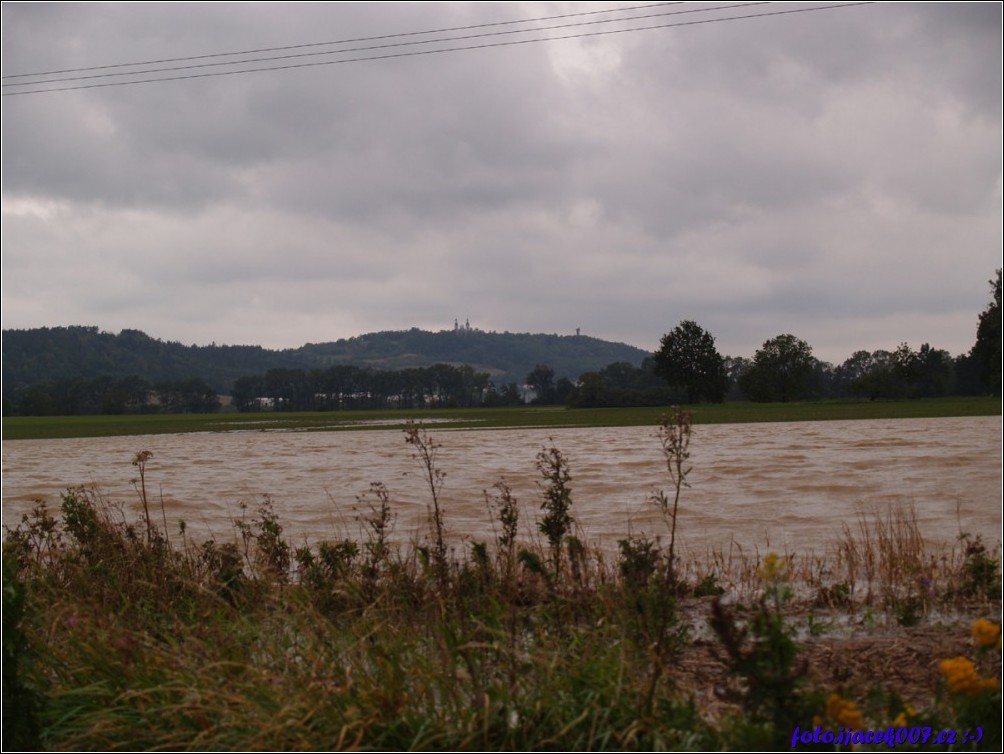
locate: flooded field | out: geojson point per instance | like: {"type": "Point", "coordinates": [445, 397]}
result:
{"type": "Point", "coordinates": [786, 486]}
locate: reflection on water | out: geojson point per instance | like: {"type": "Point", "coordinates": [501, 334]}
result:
{"type": "Point", "coordinates": [785, 486]}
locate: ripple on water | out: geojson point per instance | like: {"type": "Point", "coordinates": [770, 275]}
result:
{"type": "Point", "coordinates": [789, 483]}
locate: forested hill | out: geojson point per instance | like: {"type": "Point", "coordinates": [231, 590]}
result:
{"type": "Point", "coordinates": [507, 357]}
{"type": "Point", "coordinates": [46, 354]}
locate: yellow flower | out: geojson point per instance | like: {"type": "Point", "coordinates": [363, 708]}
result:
{"type": "Point", "coordinates": [903, 717]}
{"type": "Point", "coordinates": [962, 678]}
{"type": "Point", "coordinates": [773, 568]}
{"type": "Point", "coordinates": [844, 712]}
{"type": "Point", "coordinates": [986, 633]}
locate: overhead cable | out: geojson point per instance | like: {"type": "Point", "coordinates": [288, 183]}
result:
{"type": "Point", "coordinates": [351, 40]}
{"type": "Point", "coordinates": [414, 53]}
{"type": "Point", "coordinates": [380, 46]}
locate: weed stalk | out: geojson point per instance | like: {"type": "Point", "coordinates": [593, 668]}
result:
{"type": "Point", "coordinates": [674, 435]}
{"type": "Point", "coordinates": [425, 452]}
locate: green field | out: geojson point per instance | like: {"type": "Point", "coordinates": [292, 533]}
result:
{"type": "Point", "coordinates": [50, 427]}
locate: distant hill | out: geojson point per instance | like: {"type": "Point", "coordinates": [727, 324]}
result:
{"type": "Point", "coordinates": [54, 353]}
{"type": "Point", "coordinates": [507, 357]}
{"type": "Point", "coordinates": [58, 353]}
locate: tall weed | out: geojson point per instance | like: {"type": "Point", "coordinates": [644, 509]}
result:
{"type": "Point", "coordinates": [557, 520]}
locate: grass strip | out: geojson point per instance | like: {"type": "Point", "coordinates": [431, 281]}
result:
{"type": "Point", "coordinates": [54, 427]}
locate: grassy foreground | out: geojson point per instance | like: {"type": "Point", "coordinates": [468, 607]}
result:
{"type": "Point", "coordinates": [50, 427]}
{"type": "Point", "coordinates": [121, 636]}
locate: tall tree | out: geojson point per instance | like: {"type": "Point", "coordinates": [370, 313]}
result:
{"type": "Point", "coordinates": [780, 370]}
{"type": "Point", "coordinates": [541, 381]}
{"type": "Point", "coordinates": [687, 359]}
{"type": "Point", "coordinates": [987, 350]}
{"type": "Point", "coordinates": [935, 372]}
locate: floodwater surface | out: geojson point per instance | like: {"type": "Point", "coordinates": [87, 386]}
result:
{"type": "Point", "coordinates": [784, 486]}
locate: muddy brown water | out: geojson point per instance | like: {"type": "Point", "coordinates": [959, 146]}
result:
{"type": "Point", "coordinates": [782, 486]}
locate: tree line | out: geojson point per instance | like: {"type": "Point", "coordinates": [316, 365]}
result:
{"type": "Point", "coordinates": [333, 389]}
{"type": "Point", "coordinates": [687, 368]}
{"type": "Point", "coordinates": [343, 388]}
{"type": "Point", "coordinates": [83, 396]}
{"type": "Point", "coordinates": [784, 369]}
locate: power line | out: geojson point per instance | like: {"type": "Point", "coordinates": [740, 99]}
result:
{"type": "Point", "coordinates": [383, 46]}
{"type": "Point", "coordinates": [350, 40]}
{"type": "Point", "coordinates": [416, 53]}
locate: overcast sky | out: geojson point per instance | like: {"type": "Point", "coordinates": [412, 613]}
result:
{"type": "Point", "coordinates": [834, 174]}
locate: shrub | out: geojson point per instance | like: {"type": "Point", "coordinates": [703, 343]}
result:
{"type": "Point", "coordinates": [21, 703]}
{"type": "Point", "coordinates": [980, 574]}
{"type": "Point", "coordinates": [557, 503]}
{"type": "Point", "coordinates": [764, 655]}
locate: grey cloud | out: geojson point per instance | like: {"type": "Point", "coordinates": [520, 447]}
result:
{"type": "Point", "coordinates": [810, 172]}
